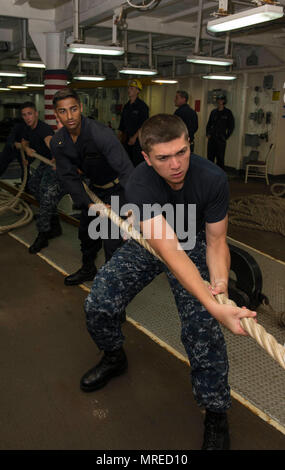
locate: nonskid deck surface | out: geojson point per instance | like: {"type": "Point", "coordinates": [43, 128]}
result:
{"type": "Point", "coordinates": [45, 349]}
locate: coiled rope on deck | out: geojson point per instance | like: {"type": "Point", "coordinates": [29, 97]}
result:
{"type": "Point", "coordinates": [259, 212]}
{"type": "Point", "coordinates": [278, 189]}
{"type": "Point", "coordinates": [15, 204]}
{"type": "Point", "coordinates": [256, 331]}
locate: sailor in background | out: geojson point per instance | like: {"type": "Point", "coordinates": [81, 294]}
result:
{"type": "Point", "coordinates": [219, 128]}
{"type": "Point", "coordinates": [84, 147]}
{"type": "Point", "coordinates": [187, 114]}
{"type": "Point", "coordinates": [43, 183]}
{"type": "Point", "coordinates": [135, 112]}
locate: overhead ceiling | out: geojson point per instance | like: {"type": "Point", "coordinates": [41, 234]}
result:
{"type": "Point", "coordinates": [171, 23]}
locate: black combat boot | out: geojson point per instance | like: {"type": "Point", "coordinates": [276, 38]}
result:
{"type": "Point", "coordinates": [112, 364]}
{"type": "Point", "coordinates": [216, 435]}
{"type": "Point", "coordinates": [55, 227]}
{"type": "Point", "coordinates": [87, 272]}
{"type": "Point", "coordinates": [40, 242]}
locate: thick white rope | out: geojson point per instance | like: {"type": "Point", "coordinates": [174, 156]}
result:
{"type": "Point", "coordinates": [256, 331]}
{"type": "Point", "coordinates": [278, 189]}
{"type": "Point", "coordinates": [15, 204]}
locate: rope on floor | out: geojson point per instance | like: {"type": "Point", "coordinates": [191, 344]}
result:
{"type": "Point", "coordinates": [280, 316]}
{"type": "Point", "coordinates": [15, 205]}
{"type": "Point", "coordinates": [278, 189]}
{"type": "Point", "coordinates": [258, 212]}
{"type": "Point", "coordinates": [256, 331]}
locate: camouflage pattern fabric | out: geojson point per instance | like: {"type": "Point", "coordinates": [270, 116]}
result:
{"type": "Point", "coordinates": [130, 270]}
{"type": "Point", "coordinates": [45, 186]}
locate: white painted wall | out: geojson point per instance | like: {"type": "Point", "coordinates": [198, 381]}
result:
{"type": "Point", "coordinates": [241, 94]}
{"type": "Point", "coordinates": [275, 129]}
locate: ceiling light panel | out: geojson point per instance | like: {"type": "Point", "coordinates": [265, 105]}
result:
{"type": "Point", "coordinates": [7, 73]}
{"type": "Point", "coordinates": [90, 78]}
{"type": "Point", "coordinates": [219, 77]}
{"type": "Point", "coordinates": [246, 18]}
{"type": "Point", "coordinates": [137, 71]}
{"type": "Point", "coordinates": [164, 80]}
{"type": "Point", "coordinates": [35, 85]}
{"type": "Point", "coordinates": [33, 64]}
{"type": "Point", "coordinates": [17, 87]}
{"type": "Point", "coordinates": [77, 48]}
{"type": "Point", "coordinates": [195, 59]}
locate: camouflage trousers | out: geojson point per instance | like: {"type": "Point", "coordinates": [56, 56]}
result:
{"type": "Point", "coordinates": [130, 270]}
{"type": "Point", "coordinates": [45, 186]}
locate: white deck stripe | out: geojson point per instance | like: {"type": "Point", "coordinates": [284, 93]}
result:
{"type": "Point", "coordinates": [170, 349]}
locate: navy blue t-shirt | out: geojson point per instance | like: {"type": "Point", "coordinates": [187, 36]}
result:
{"type": "Point", "coordinates": [97, 152]}
{"type": "Point", "coordinates": [133, 116]}
{"type": "Point", "coordinates": [17, 133]}
{"type": "Point", "coordinates": [190, 118]}
{"type": "Point", "coordinates": [36, 137]}
{"type": "Point", "coordinates": [206, 186]}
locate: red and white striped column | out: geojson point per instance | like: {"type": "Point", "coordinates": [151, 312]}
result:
{"type": "Point", "coordinates": [54, 80]}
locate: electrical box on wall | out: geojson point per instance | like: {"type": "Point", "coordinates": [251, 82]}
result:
{"type": "Point", "coordinates": [275, 95]}
{"type": "Point", "coordinates": [268, 82]}
{"type": "Point", "coordinates": [252, 59]}
{"type": "Point", "coordinates": [252, 140]}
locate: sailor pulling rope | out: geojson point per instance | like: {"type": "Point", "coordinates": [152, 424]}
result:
{"type": "Point", "coordinates": [256, 331]}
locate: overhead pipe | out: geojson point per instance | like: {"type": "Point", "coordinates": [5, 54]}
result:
{"type": "Point", "coordinates": [24, 38]}
{"type": "Point", "coordinates": [126, 48]}
{"type": "Point", "coordinates": [211, 49]}
{"type": "Point", "coordinates": [155, 61]}
{"type": "Point", "coordinates": [150, 50]}
{"type": "Point", "coordinates": [199, 26]}
{"type": "Point", "coordinates": [115, 28]}
{"type": "Point", "coordinates": [76, 21]}
{"type": "Point", "coordinates": [227, 44]}
{"type": "Point", "coordinates": [100, 67]}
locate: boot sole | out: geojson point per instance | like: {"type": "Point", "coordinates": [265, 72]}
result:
{"type": "Point", "coordinates": [103, 383]}
{"type": "Point", "coordinates": [77, 283]}
{"type": "Point", "coordinates": [32, 252]}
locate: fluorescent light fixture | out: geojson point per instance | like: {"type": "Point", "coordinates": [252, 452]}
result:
{"type": "Point", "coordinates": [212, 76]}
{"type": "Point", "coordinates": [196, 59]}
{"type": "Point", "coordinates": [6, 73]}
{"type": "Point", "coordinates": [246, 18]}
{"type": "Point", "coordinates": [91, 78]}
{"type": "Point", "coordinates": [5, 89]}
{"type": "Point", "coordinates": [134, 71]}
{"type": "Point", "coordinates": [77, 48]}
{"type": "Point", "coordinates": [17, 87]}
{"type": "Point", "coordinates": [35, 85]}
{"type": "Point", "coordinates": [164, 80]}
{"type": "Point", "coordinates": [33, 64]}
